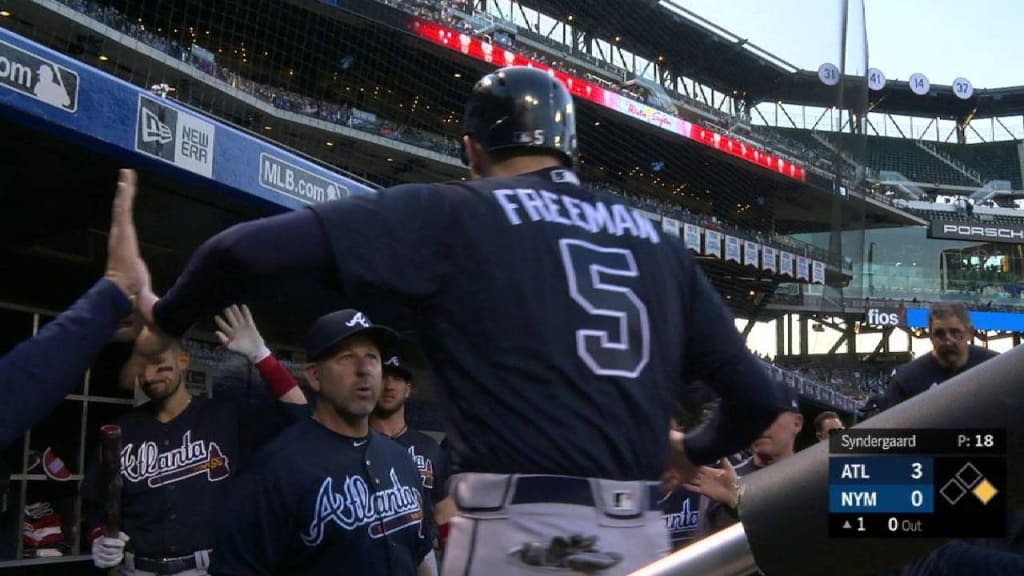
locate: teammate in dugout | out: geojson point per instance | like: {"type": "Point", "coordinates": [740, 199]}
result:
{"type": "Point", "coordinates": [179, 452]}
{"type": "Point", "coordinates": [560, 322]}
{"type": "Point", "coordinates": [331, 495]}
{"type": "Point", "coordinates": [388, 418]}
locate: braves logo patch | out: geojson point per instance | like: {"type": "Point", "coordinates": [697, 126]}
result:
{"type": "Point", "coordinates": [383, 512]}
{"type": "Point", "coordinates": [189, 459]}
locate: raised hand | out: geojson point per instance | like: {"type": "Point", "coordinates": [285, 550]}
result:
{"type": "Point", "coordinates": [124, 264]}
{"type": "Point", "coordinates": [238, 333]}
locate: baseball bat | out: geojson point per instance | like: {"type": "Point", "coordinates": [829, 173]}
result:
{"type": "Point", "coordinates": [110, 478]}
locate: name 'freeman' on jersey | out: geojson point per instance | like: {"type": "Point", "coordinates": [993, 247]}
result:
{"type": "Point", "coordinates": [541, 205]}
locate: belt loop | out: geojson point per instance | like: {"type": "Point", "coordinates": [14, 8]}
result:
{"type": "Point", "coordinates": [202, 559]}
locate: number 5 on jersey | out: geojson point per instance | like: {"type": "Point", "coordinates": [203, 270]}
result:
{"type": "Point", "coordinates": [616, 341]}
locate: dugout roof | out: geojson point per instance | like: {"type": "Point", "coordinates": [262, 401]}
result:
{"type": "Point", "coordinates": [726, 65]}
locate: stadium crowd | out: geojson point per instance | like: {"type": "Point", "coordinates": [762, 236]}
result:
{"type": "Point", "coordinates": [454, 13]}
{"type": "Point", "coordinates": [351, 117]}
{"type": "Point", "coordinates": [460, 16]}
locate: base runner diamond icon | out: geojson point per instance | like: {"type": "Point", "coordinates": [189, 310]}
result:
{"type": "Point", "coordinates": [985, 491]}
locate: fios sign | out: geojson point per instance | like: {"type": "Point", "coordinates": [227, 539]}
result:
{"type": "Point", "coordinates": [876, 317]}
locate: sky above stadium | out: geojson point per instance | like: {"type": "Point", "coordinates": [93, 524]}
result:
{"type": "Point", "coordinates": [942, 39]}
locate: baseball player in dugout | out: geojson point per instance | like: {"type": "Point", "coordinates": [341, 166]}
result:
{"type": "Point", "coordinates": [951, 330]}
{"type": "Point", "coordinates": [388, 418]}
{"type": "Point", "coordinates": [560, 322]}
{"type": "Point", "coordinates": [179, 452]}
{"type": "Point", "coordinates": [331, 495]}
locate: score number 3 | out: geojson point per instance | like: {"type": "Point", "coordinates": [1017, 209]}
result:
{"type": "Point", "coordinates": [597, 278]}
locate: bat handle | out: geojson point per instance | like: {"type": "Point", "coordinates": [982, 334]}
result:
{"type": "Point", "coordinates": [110, 458]}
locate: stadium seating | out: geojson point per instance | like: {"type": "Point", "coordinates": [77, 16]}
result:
{"type": "Point", "coordinates": [995, 160]}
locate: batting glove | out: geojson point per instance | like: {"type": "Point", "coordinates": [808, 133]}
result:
{"type": "Point", "coordinates": [238, 333]}
{"type": "Point", "coordinates": [108, 552]}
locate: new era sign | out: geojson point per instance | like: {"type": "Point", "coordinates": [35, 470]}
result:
{"type": "Point", "coordinates": [977, 232]}
{"type": "Point", "coordinates": [39, 78]}
{"type": "Point", "coordinates": [174, 136]}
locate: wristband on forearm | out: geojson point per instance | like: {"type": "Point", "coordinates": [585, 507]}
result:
{"type": "Point", "coordinates": [278, 378]}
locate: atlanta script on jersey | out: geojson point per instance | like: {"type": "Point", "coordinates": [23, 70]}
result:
{"type": "Point", "coordinates": [424, 466]}
{"type": "Point", "coordinates": [315, 501]}
{"type": "Point", "coordinates": [146, 463]}
{"type": "Point", "coordinates": [356, 506]}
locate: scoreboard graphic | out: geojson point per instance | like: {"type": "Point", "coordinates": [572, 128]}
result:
{"type": "Point", "coordinates": [917, 483]}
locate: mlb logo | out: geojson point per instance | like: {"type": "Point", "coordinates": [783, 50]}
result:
{"type": "Point", "coordinates": [623, 500]}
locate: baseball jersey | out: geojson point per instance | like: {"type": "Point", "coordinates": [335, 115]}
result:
{"type": "Point", "coordinates": [315, 502]}
{"type": "Point", "coordinates": [681, 510]}
{"type": "Point", "coordinates": [176, 474]}
{"type": "Point", "coordinates": [922, 373]}
{"type": "Point", "coordinates": [431, 465]}
{"type": "Point", "coordinates": [560, 322]}
{"type": "Point", "coordinates": [430, 462]}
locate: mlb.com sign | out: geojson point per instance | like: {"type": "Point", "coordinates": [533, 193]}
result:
{"type": "Point", "coordinates": [38, 78]}
{"type": "Point", "coordinates": [286, 178]}
{"type": "Point", "coordinates": [877, 317]}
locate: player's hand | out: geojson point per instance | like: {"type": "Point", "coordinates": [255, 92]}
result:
{"type": "Point", "coordinates": [145, 303]}
{"type": "Point", "coordinates": [124, 264]}
{"type": "Point", "coordinates": [679, 463]}
{"type": "Point", "coordinates": [108, 552]}
{"type": "Point", "coordinates": [719, 484]}
{"type": "Point", "coordinates": [128, 330]}
{"type": "Point", "coordinates": [238, 333]}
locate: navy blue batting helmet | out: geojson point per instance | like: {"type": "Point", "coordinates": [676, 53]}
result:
{"type": "Point", "coordinates": [522, 108]}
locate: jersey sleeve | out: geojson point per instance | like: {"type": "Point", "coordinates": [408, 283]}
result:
{"type": "Point", "coordinates": [894, 392]}
{"type": "Point", "coordinates": [32, 383]}
{"type": "Point", "coordinates": [716, 354]}
{"type": "Point", "coordinates": [395, 241]}
{"type": "Point", "coordinates": [255, 527]}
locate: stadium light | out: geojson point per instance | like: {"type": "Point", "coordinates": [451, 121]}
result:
{"type": "Point", "coordinates": [5, 13]}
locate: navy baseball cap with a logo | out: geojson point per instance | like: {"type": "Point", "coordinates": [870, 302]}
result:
{"type": "Point", "coordinates": [396, 365]}
{"type": "Point", "coordinates": [329, 330]}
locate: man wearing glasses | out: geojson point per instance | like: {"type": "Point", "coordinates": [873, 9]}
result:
{"type": "Point", "coordinates": [950, 330]}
